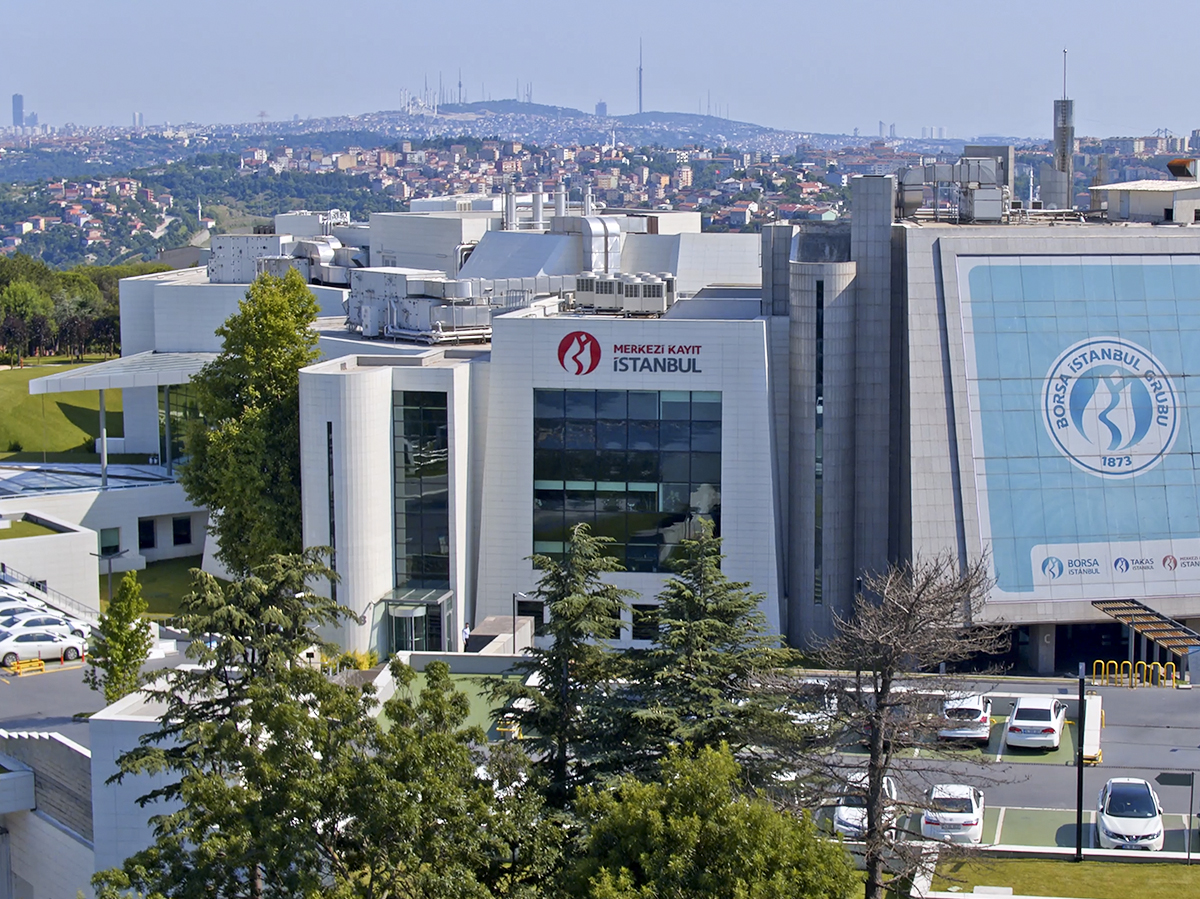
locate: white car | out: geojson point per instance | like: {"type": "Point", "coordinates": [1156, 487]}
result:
{"type": "Point", "coordinates": [45, 621]}
{"type": "Point", "coordinates": [37, 645]}
{"type": "Point", "coordinates": [18, 602]}
{"type": "Point", "coordinates": [954, 813]}
{"type": "Point", "coordinates": [1036, 722]}
{"type": "Point", "coordinates": [966, 716]}
{"type": "Point", "coordinates": [1129, 815]}
{"type": "Point", "coordinates": [850, 808]}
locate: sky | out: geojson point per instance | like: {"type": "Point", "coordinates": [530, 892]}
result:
{"type": "Point", "coordinates": [972, 68]}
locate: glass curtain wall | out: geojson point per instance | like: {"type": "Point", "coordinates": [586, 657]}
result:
{"type": "Point", "coordinates": [422, 484]}
{"type": "Point", "coordinates": [639, 466]}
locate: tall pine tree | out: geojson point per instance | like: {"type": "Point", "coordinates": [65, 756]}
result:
{"type": "Point", "coordinates": [558, 684]}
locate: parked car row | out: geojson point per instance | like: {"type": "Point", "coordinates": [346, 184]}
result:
{"type": "Point", "coordinates": [1128, 813]}
{"type": "Point", "coordinates": [30, 630]}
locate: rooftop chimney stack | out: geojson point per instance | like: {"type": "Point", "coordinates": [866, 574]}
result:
{"type": "Point", "coordinates": [560, 199]}
{"type": "Point", "coordinates": [538, 218]}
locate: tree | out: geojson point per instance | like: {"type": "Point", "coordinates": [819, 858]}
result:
{"type": "Point", "coordinates": [584, 612]}
{"type": "Point", "coordinates": [691, 833]}
{"type": "Point", "coordinates": [698, 683]}
{"type": "Point", "coordinates": [244, 452]}
{"type": "Point", "coordinates": [122, 643]}
{"type": "Point", "coordinates": [912, 617]}
{"type": "Point", "coordinates": [24, 300]}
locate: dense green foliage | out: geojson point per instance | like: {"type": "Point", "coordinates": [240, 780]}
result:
{"type": "Point", "coordinates": [219, 178]}
{"type": "Point", "coordinates": [285, 783]}
{"type": "Point", "coordinates": [244, 463]}
{"type": "Point", "coordinates": [584, 612]}
{"type": "Point", "coordinates": [697, 683]}
{"type": "Point", "coordinates": [121, 644]}
{"type": "Point", "coordinates": [46, 311]}
{"type": "Point", "coordinates": [693, 833]}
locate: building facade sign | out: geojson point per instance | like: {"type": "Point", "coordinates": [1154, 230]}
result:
{"type": "Point", "coordinates": [1082, 386]}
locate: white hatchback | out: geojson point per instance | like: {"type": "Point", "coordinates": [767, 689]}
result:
{"type": "Point", "coordinates": [1036, 722]}
{"type": "Point", "coordinates": [45, 621]}
{"type": "Point", "coordinates": [953, 813]}
{"type": "Point", "coordinates": [1129, 815]}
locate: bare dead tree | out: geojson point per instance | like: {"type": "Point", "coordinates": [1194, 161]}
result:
{"type": "Point", "coordinates": [907, 620]}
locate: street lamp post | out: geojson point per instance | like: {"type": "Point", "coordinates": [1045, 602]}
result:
{"type": "Point", "coordinates": [514, 619]}
{"type": "Point", "coordinates": [108, 557]}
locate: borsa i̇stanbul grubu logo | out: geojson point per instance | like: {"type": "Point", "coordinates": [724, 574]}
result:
{"type": "Point", "coordinates": [1110, 407]}
{"type": "Point", "coordinates": [579, 353]}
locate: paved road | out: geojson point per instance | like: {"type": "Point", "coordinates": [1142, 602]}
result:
{"type": "Point", "coordinates": [50, 701]}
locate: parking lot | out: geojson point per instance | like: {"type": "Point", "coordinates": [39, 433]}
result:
{"type": "Point", "coordinates": [1031, 794]}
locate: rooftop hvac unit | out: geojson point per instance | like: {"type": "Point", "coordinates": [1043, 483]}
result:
{"type": "Point", "coordinates": [668, 280]}
{"type": "Point", "coordinates": [607, 297]}
{"type": "Point", "coordinates": [374, 318]}
{"type": "Point", "coordinates": [585, 289]}
{"type": "Point", "coordinates": [654, 295]}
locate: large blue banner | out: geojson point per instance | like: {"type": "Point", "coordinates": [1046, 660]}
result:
{"type": "Point", "coordinates": [1079, 373]}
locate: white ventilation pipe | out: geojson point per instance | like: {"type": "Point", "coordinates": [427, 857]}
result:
{"type": "Point", "coordinates": [538, 223]}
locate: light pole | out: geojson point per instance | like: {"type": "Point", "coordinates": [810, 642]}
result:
{"type": "Point", "coordinates": [108, 557]}
{"type": "Point", "coordinates": [514, 618]}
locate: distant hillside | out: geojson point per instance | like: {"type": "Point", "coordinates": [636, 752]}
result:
{"type": "Point", "coordinates": [509, 107]}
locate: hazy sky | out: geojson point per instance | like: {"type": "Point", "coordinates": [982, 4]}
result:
{"type": "Point", "coordinates": [974, 68]}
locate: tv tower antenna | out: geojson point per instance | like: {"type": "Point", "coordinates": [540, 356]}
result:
{"type": "Point", "coordinates": [1064, 73]}
{"type": "Point", "coordinates": [460, 96]}
{"type": "Point", "coordinates": [639, 75]}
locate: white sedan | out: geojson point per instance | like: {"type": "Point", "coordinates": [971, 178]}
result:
{"type": "Point", "coordinates": [850, 807]}
{"type": "Point", "coordinates": [37, 645]}
{"type": "Point", "coordinates": [966, 716]}
{"type": "Point", "coordinates": [1129, 815]}
{"type": "Point", "coordinates": [45, 621]}
{"type": "Point", "coordinates": [1036, 723]}
{"type": "Point", "coordinates": [954, 813]}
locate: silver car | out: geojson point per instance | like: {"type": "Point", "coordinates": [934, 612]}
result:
{"type": "Point", "coordinates": [966, 716]}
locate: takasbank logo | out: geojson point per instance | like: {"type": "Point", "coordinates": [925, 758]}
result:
{"type": "Point", "coordinates": [579, 353]}
{"type": "Point", "coordinates": [1052, 567]}
{"type": "Point", "coordinates": [1110, 407]}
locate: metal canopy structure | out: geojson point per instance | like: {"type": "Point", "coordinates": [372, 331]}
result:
{"type": "Point", "coordinates": [148, 369]}
{"type": "Point", "coordinates": [1154, 626]}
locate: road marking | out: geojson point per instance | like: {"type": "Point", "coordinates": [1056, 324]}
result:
{"type": "Point", "coordinates": [1000, 751]}
{"type": "Point", "coordinates": [6, 680]}
{"type": "Point", "coordinates": [999, 825]}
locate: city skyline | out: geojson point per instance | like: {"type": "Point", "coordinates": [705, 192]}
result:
{"type": "Point", "coordinates": [806, 68]}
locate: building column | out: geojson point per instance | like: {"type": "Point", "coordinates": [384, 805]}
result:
{"type": "Point", "coordinates": [1041, 638]}
{"type": "Point", "coordinates": [103, 444]}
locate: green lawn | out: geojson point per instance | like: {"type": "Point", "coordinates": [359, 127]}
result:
{"type": "Point", "coordinates": [1083, 880]}
{"type": "Point", "coordinates": [19, 529]}
{"type": "Point", "coordinates": [59, 424]}
{"type": "Point", "coordinates": [163, 584]}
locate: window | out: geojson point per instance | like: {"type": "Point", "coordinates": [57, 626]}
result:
{"type": "Point", "coordinates": [147, 538]}
{"type": "Point", "coordinates": [181, 530]}
{"type": "Point", "coordinates": [645, 622]}
{"type": "Point", "coordinates": [110, 541]}
{"type": "Point", "coordinates": [422, 488]}
{"type": "Point", "coordinates": [535, 609]}
{"type": "Point", "coordinates": [641, 467]}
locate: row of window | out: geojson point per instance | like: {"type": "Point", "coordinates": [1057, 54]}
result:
{"type": "Point", "coordinates": [656, 405]}
{"type": "Point", "coordinates": [644, 619]}
{"type": "Point", "coordinates": [576, 434]}
{"type": "Point", "coordinates": [181, 535]}
{"type": "Point", "coordinates": [646, 466]}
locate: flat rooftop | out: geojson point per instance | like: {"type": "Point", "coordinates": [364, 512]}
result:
{"type": "Point", "coordinates": [28, 478]}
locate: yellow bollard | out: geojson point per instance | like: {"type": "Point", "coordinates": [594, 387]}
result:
{"type": "Point", "coordinates": [1126, 669]}
{"type": "Point", "coordinates": [1098, 665]}
{"type": "Point", "coordinates": [1156, 668]}
{"type": "Point", "coordinates": [1139, 674]}
{"type": "Point", "coordinates": [1170, 666]}
{"type": "Point", "coordinates": [1110, 673]}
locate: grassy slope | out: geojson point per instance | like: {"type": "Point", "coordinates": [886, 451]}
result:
{"type": "Point", "coordinates": [1086, 880]}
{"type": "Point", "coordinates": [54, 423]}
{"type": "Point", "coordinates": [163, 584]}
